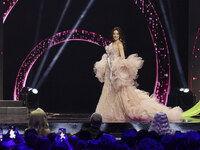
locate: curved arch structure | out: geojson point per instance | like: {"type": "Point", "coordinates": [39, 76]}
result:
{"type": "Point", "coordinates": [7, 7]}
{"type": "Point", "coordinates": [195, 71]}
{"type": "Point", "coordinates": [80, 35]}
{"type": "Point", "coordinates": [162, 84]}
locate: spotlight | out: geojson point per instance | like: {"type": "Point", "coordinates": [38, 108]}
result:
{"type": "Point", "coordinates": [35, 91]}
{"type": "Point", "coordinates": [181, 89]}
{"type": "Point", "coordinates": [186, 90]}
{"type": "Point", "coordinates": [63, 45]}
{"type": "Point", "coordinates": [29, 96]}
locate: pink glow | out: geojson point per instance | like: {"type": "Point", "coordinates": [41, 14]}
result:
{"type": "Point", "coordinates": [7, 7]}
{"type": "Point", "coordinates": [162, 83]}
{"type": "Point", "coordinates": [195, 71]}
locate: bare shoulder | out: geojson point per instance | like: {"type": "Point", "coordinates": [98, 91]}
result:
{"type": "Point", "coordinates": [120, 44]}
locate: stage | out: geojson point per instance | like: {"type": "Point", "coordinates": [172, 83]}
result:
{"type": "Point", "coordinates": [56, 56]}
{"type": "Point", "coordinates": [74, 122]}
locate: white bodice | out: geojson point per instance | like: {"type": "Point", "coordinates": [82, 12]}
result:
{"type": "Point", "coordinates": [112, 50]}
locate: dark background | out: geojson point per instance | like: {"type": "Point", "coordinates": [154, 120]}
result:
{"type": "Point", "coordinates": [71, 85]}
{"type": "Point", "coordinates": [1, 50]}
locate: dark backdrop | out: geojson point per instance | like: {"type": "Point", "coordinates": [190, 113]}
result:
{"type": "Point", "coordinates": [1, 51]}
{"type": "Point", "coordinates": [71, 85]}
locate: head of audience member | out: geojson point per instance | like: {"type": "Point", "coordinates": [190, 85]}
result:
{"type": "Point", "coordinates": [85, 135]}
{"type": "Point", "coordinates": [154, 135]}
{"type": "Point", "coordinates": [142, 134]}
{"type": "Point", "coordinates": [107, 141]}
{"type": "Point", "coordinates": [31, 138]}
{"type": "Point", "coordinates": [81, 144]}
{"type": "Point", "coordinates": [93, 144]}
{"type": "Point", "coordinates": [96, 120]}
{"type": "Point", "coordinates": [160, 124]}
{"type": "Point", "coordinates": [8, 144]}
{"type": "Point", "coordinates": [149, 144]}
{"type": "Point", "coordinates": [179, 137]}
{"type": "Point", "coordinates": [43, 143]}
{"type": "Point", "coordinates": [73, 140]}
{"type": "Point", "coordinates": [38, 121]}
{"type": "Point", "coordinates": [168, 142]}
{"type": "Point", "coordinates": [52, 136]}
{"type": "Point", "coordinates": [129, 137]}
{"type": "Point", "coordinates": [59, 146]}
{"type": "Point", "coordinates": [119, 145]}
{"type": "Point", "coordinates": [192, 140]}
{"type": "Point", "coordinates": [22, 147]}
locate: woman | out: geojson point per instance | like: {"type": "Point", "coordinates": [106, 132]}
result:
{"type": "Point", "coordinates": [120, 99]}
{"type": "Point", "coordinates": [38, 121]}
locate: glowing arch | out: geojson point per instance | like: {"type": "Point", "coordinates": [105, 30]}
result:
{"type": "Point", "coordinates": [80, 35]}
{"type": "Point", "coordinates": [195, 71]}
{"type": "Point", "coordinates": [7, 7]}
{"type": "Point", "coordinates": [162, 85]}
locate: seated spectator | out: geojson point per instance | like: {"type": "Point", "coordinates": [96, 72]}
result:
{"type": "Point", "coordinates": [154, 135]}
{"type": "Point", "coordinates": [142, 134]}
{"type": "Point", "coordinates": [129, 137]}
{"type": "Point", "coordinates": [93, 130]}
{"type": "Point", "coordinates": [192, 140]}
{"type": "Point", "coordinates": [38, 121]}
{"type": "Point", "coordinates": [106, 142]}
{"type": "Point", "coordinates": [73, 140]}
{"type": "Point", "coordinates": [160, 124]}
{"type": "Point", "coordinates": [43, 143]}
{"type": "Point", "coordinates": [149, 144]}
{"type": "Point", "coordinates": [93, 145]}
{"type": "Point", "coordinates": [82, 145]}
{"type": "Point", "coordinates": [31, 138]}
{"type": "Point", "coordinates": [60, 143]}
{"type": "Point", "coordinates": [8, 144]}
{"type": "Point", "coordinates": [52, 136]}
{"type": "Point", "coordinates": [168, 142]}
{"type": "Point", "coordinates": [12, 140]}
{"type": "Point", "coordinates": [119, 145]}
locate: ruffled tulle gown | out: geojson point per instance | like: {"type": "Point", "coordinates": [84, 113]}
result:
{"type": "Point", "coordinates": [120, 100]}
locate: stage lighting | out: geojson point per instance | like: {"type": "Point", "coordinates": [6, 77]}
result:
{"type": "Point", "coordinates": [24, 95]}
{"type": "Point", "coordinates": [181, 89]}
{"type": "Point", "coordinates": [35, 91]}
{"type": "Point", "coordinates": [63, 45]}
{"type": "Point", "coordinates": [186, 90]}
{"type": "Point", "coordinates": [29, 96]}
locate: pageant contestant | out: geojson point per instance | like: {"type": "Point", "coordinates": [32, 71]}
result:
{"type": "Point", "coordinates": [120, 100]}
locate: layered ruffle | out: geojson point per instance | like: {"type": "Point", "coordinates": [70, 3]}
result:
{"type": "Point", "coordinates": [124, 71]}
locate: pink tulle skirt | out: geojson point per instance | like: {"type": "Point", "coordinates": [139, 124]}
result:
{"type": "Point", "coordinates": [120, 100]}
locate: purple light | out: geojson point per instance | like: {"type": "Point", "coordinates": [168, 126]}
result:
{"type": "Point", "coordinates": [79, 35]}
{"type": "Point", "coordinates": [162, 84]}
{"type": "Point", "coordinates": [195, 71]}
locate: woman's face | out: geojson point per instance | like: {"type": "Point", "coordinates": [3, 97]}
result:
{"type": "Point", "coordinates": [115, 35]}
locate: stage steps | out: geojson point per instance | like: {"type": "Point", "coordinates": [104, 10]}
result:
{"type": "Point", "coordinates": [10, 103]}
{"type": "Point", "coordinates": [12, 107]}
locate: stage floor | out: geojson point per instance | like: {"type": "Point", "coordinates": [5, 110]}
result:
{"type": "Point", "coordinates": [74, 122]}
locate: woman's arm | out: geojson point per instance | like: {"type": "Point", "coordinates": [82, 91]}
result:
{"type": "Point", "coordinates": [121, 50]}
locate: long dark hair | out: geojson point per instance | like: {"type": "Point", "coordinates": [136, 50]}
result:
{"type": "Point", "coordinates": [121, 36]}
